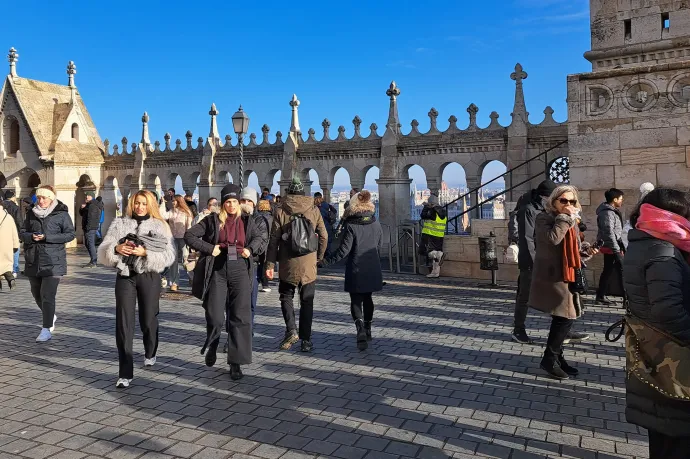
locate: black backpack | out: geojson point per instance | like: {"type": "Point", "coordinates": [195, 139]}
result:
{"type": "Point", "coordinates": [332, 215]}
{"type": "Point", "coordinates": [302, 239]}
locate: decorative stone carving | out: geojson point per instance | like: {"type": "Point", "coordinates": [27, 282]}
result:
{"type": "Point", "coordinates": [599, 99]}
{"type": "Point", "coordinates": [252, 140]}
{"type": "Point", "coordinates": [265, 130]}
{"type": "Point", "coordinates": [178, 145]}
{"type": "Point", "coordinates": [415, 129]}
{"type": "Point", "coordinates": [279, 138]}
{"type": "Point", "coordinates": [12, 58]}
{"type": "Point", "coordinates": [548, 117]}
{"type": "Point", "coordinates": [166, 138]}
{"type": "Point", "coordinates": [125, 142]}
{"type": "Point", "coordinates": [453, 124]}
{"type": "Point", "coordinates": [115, 150]}
{"type": "Point", "coordinates": [134, 147]}
{"type": "Point", "coordinates": [559, 172]}
{"type": "Point", "coordinates": [200, 142]}
{"type": "Point", "coordinates": [71, 71]}
{"type": "Point", "coordinates": [373, 127]}
{"type": "Point", "coordinates": [228, 141]}
{"type": "Point", "coordinates": [433, 116]}
{"type": "Point", "coordinates": [357, 122]}
{"type": "Point", "coordinates": [294, 124]}
{"type": "Point", "coordinates": [640, 95]}
{"type": "Point", "coordinates": [157, 146]}
{"type": "Point", "coordinates": [341, 133]}
{"type": "Point", "coordinates": [106, 145]}
{"type": "Point", "coordinates": [494, 121]}
{"type": "Point", "coordinates": [679, 90]}
{"type": "Point", "coordinates": [188, 135]}
{"type": "Point", "coordinates": [393, 121]}
{"type": "Point", "coordinates": [472, 110]}
{"type": "Point", "coordinates": [326, 129]}
{"type": "Point", "coordinates": [311, 132]}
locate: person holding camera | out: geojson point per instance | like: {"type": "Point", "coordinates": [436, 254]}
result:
{"type": "Point", "coordinates": [222, 279]}
{"type": "Point", "coordinates": [47, 228]}
{"type": "Point", "coordinates": [140, 246]}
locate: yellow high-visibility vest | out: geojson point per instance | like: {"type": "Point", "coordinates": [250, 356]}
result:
{"type": "Point", "coordinates": [435, 228]}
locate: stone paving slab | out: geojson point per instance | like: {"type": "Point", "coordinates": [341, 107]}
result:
{"type": "Point", "coordinates": [440, 380]}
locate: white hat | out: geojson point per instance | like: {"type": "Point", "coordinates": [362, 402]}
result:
{"type": "Point", "coordinates": [645, 188]}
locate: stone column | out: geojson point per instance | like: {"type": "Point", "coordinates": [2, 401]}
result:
{"type": "Point", "coordinates": [66, 194]}
{"type": "Point", "coordinates": [472, 184]}
{"type": "Point", "coordinates": [394, 199]}
{"type": "Point", "coordinates": [307, 187]}
{"type": "Point", "coordinates": [326, 188]}
{"type": "Point", "coordinates": [434, 184]}
{"type": "Point", "coordinates": [356, 183]}
{"type": "Point", "coordinates": [109, 196]}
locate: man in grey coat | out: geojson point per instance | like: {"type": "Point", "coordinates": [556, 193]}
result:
{"type": "Point", "coordinates": [610, 225]}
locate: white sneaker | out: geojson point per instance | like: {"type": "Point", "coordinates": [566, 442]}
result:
{"type": "Point", "coordinates": [52, 329]}
{"type": "Point", "coordinates": [150, 362]}
{"type": "Point", "coordinates": [15, 275]}
{"type": "Point", "coordinates": [122, 383]}
{"type": "Point", "coordinates": [164, 282]}
{"type": "Point", "coordinates": [44, 336]}
{"type": "Point", "coordinates": [266, 289]}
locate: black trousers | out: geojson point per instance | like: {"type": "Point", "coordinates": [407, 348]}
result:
{"type": "Point", "coordinates": [144, 289]}
{"type": "Point", "coordinates": [90, 243]}
{"type": "Point", "coordinates": [664, 447]}
{"type": "Point", "coordinates": [261, 273]}
{"type": "Point", "coordinates": [306, 307]}
{"type": "Point", "coordinates": [229, 296]}
{"type": "Point", "coordinates": [560, 327]}
{"type": "Point", "coordinates": [522, 298]}
{"type": "Point", "coordinates": [612, 267]}
{"type": "Point", "coordinates": [44, 290]}
{"type": "Point", "coordinates": [361, 306]}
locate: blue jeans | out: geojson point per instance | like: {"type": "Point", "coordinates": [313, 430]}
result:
{"type": "Point", "coordinates": [90, 243]}
{"type": "Point", "coordinates": [15, 269]}
{"type": "Point", "coordinates": [175, 267]}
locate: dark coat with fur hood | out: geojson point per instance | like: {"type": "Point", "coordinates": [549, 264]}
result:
{"type": "Point", "coordinates": [361, 243]}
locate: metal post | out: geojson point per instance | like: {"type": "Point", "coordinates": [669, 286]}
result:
{"type": "Point", "coordinates": [494, 278]}
{"type": "Point", "coordinates": [240, 138]}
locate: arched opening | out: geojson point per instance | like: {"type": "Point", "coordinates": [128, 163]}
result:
{"type": "Point", "coordinates": [13, 138]}
{"type": "Point", "coordinates": [252, 180]}
{"type": "Point", "coordinates": [370, 185]}
{"type": "Point", "coordinates": [75, 131]}
{"type": "Point", "coordinates": [313, 176]}
{"type": "Point", "coordinates": [179, 189]}
{"type": "Point", "coordinates": [275, 186]}
{"type": "Point", "coordinates": [154, 183]}
{"type": "Point", "coordinates": [340, 194]}
{"type": "Point", "coordinates": [454, 187]}
{"type": "Point", "coordinates": [559, 171]}
{"type": "Point", "coordinates": [34, 181]}
{"type": "Point", "coordinates": [495, 208]}
{"type": "Point", "coordinates": [419, 193]}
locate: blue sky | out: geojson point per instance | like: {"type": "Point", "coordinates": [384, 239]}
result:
{"type": "Point", "coordinates": [173, 59]}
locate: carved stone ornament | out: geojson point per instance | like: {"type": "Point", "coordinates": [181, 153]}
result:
{"type": "Point", "coordinates": [679, 90]}
{"type": "Point", "coordinates": [640, 95]}
{"type": "Point", "coordinates": [599, 100]}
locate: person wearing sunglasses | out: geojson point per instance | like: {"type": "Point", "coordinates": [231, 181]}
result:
{"type": "Point", "coordinates": [559, 258]}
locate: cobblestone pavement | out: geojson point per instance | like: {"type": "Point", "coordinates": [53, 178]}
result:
{"type": "Point", "coordinates": [441, 380]}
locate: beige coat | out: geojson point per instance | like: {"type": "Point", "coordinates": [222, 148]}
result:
{"type": "Point", "coordinates": [548, 292]}
{"type": "Point", "coordinates": [295, 270]}
{"type": "Point", "coordinates": [9, 241]}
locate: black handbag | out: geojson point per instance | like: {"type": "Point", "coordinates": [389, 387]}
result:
{"type": "Point", "coordinates": [580, 285]}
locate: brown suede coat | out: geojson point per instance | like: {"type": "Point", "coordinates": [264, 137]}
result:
{"type": "Point", "coordinates": [295, 270]}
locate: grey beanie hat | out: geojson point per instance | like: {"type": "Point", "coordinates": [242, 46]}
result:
{"type": "Point", "coordinates": [249, 194]}
{"type": "Point", "coordinates": [296, 187]}
{"type": "Point", "coordinates": [433, 200]}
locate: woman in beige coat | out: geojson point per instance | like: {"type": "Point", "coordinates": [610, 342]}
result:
{"type": "Point", "coordinates": [559, 254]}
{"type": "Point", "coordinates": [9, 244]}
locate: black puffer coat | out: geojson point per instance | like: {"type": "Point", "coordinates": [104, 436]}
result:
{"type": "Point", "coordinates": [203, 237]}
{"type": "Point", "coordinates": [361, 243]}
{"type": "Point", "coordinates": [657, 280]}
{"type": "Point", "coordinates": [47, 257]}
{"type": "Point", "coordinates": [91, 215]}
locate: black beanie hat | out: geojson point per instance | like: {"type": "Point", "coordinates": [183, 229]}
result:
{"type": "Point", "coordinates": [545, 188]}
{"type": "Point", "coordinates": [230, 191]}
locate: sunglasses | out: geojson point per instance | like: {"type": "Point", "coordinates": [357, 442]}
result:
{"type": "Point", "coordinates": [565, 202]}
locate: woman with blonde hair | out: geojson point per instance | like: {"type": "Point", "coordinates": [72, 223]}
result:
{"type": "Point", "coordinates": [180, 219]}
{"type": "Point", "coordinates": [227, 242]}
{"type": "Point", "coordinates": [47, 228]}
{"type": "Point", "coordinates": [140, 245]}
{"type": "Point", "coordinates": [556, 281]}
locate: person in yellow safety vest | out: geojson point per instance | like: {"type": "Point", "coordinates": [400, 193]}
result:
{"type": "Point", "coordinates": [434, 219]}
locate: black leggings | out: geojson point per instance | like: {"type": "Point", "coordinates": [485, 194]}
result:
{"type": "Point", "coordinates": [44, 290]}
{"type": "Point", "coordinates": [144, 289]}
{"type": "Point", "coordinates": [361, 306]}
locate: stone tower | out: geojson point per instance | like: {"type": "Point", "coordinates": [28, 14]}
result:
{"type": "Point", "coordinates": [629, 119]}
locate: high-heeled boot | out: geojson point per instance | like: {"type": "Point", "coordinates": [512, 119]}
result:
{"type": "Point", "coordinates": [10, 279]}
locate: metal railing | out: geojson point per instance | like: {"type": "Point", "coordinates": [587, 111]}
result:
{"type": "Point", "coordinates": [406, 247]}
{"type": "Point", "coordinates": [453, 222]}
{"type": "Point", "coordinates": [389, 245]}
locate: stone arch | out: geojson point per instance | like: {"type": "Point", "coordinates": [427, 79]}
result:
{"type": "Point", "coordinates": [418, 189]}
{"type": "Point", "coordinates": [189, 183]}
{"type": "Point", "coordinates": [371, 174]}
{"type": "Point", "coordinates": [496, 208]}
{"type": "Point", "coordinates": [10, 136]}
{"type": "Point", "coordinates": [453, 181]}
{"type": "Point", "coordinates": [269, 180]}
{"type": "Point", "coordinates": [335, 169]}
{"type": "Point", "coordinates": [223, 177]}
{"type": "Point", "coordinates": [497, 169]}
{"type": "Point", "coordinates": [251, 179]}
{"type": "Point", "coordinates": [317, 184]}
{"type": "Point", "coordinates": [154, 183]}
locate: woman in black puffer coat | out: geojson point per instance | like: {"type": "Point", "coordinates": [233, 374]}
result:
{"type": "Point", "coordinates": [361, 243]}
{"type": "Point", "coordinates": [47, 228]}
{"type": "Point", "coordinates": [657, 281]}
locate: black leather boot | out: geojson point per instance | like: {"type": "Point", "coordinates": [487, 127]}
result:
{"type": "Point", "coordinates": [211, 353]}
{"type": "Point", "coordinates": [235, 372]}
{"type": "Point", "coordinates": [571, 371]}
{"type": "Point", "coordinates": [361, 335]}
{"type": "Point", "coordinates": [367, 329]}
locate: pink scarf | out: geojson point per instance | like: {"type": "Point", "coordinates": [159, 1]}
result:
{"type": "Point", "coordinates": [665, 225]}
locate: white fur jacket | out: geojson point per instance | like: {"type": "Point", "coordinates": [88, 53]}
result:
{"type": "Point", "coordinates": [153, 261]}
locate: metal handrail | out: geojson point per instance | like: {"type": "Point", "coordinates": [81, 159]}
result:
{"type": "Point", "coordinates": [454, 220]}
{"type": "Point", "coordinates": [390, 248]}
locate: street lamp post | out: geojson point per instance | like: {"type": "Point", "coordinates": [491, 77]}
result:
{"type": "Point", "coordinates": [240, 123]}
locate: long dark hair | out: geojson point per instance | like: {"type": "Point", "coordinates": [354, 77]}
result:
{"type": "Point", "coordinates": [669, 199]}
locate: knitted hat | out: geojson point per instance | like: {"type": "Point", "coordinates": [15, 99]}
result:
{"type": "Point", "coordinates": [433, 200]}
{"type": "Point", "coordinates": [296, 187]}
{"type": "Point", "coordinates": [645, 188]}
{"type": "Point", "coordinates": [545, 188]}
{"type": "Point", "coordinates": [249, 194]}
{"type": "Point", "coordinates": [230, 191]}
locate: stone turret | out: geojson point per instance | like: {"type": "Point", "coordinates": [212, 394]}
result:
{"type": "Point", "coordinates": [12, 58]}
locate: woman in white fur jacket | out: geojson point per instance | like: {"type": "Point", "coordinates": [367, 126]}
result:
{"type": "Point", "coordinates": [139, 262]}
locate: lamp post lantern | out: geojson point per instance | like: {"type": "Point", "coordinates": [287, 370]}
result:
{"type": "Point", "coordinates": [240, 123]}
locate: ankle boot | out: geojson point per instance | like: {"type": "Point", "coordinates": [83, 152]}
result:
{"type": "Point", "coordinates": [10, 279]}
{"type": "Point", "coordinates": [435, 270]}
{"type": "Point", "coordinates": [367, 330]}
{"type": "Point", "coordinates": [210, 359]}
{"type": "Point", "coordinates": [550, 365]}
{"type": "Point", "coordinates": [361, 335]}
{"type": "Point", "coordinates": [235, 372]}
{"type": "Point", "coordinates": [571, 371]}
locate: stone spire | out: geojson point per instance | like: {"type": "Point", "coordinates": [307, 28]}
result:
{"type": "Point", "coordinates": [12, 58]}
{"type": "Point", "coordinates": [145, 140]}
{"type": "Point", "coordinates": [393, 120]}
{"type": "Point", "coordinates": [519, 109]}
{"type": "Point", "coordinates": [294, 124]}
{"type": "Point", "coordinates": [214, 125]}
{"type": "Point", "coordinates": [71, 71]}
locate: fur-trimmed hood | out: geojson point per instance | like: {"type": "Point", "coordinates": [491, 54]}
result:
{"type": "Point", "coordinates": [360, 209]}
